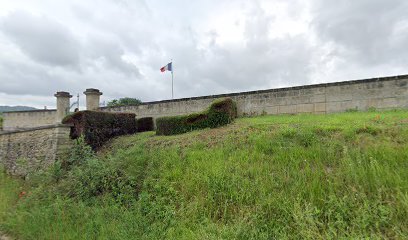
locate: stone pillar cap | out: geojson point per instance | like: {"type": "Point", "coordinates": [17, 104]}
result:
{"type": "Point", "coordinates": [92, 91]}
{"type": "Point", "coordinates": [63, 94]}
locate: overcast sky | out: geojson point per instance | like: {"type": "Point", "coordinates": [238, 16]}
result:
{"type": "Point", "coordinates": [217, 46]}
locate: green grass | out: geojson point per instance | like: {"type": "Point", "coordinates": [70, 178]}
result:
{"type": "Point", "coordinates": [9, 194]}
{"type": "Point", "coordinates": [303, 176]}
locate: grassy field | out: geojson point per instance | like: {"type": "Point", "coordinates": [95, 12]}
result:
{"type": "Point", "coordinates": [286, 177]}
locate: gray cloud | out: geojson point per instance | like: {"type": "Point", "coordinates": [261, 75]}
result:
{"type": "Point", "coordinates": [368, 32]}
{"type": "Point", "coordinates": [110, 54]}
{"type": "Point", "coordinates": [217, 46]}
{"type": "Point", "coordinates": [26, 78]}
{"type": "Point", "coordinates": [42, 39]}
{"type": "Point", "coordinates": [260, 61]}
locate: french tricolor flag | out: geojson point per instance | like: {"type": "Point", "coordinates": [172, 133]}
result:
{"type": "Point", "coordinates": [168, 67]}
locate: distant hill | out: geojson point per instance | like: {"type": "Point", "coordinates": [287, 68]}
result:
{"type": "Point", "coordinates": [15, 108]}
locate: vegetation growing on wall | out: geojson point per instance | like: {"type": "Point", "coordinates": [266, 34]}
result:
{"type": "Point", "coordinates": [145, 124]}
{"type": "Point", "coordinates": [98, 127]}
{"type": "Point", "coordinates": [221, 112]}
{"type": "Point", "coordinates": [127, 101]}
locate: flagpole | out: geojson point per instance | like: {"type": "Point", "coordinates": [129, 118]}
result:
{"type": "Point", "coordinates": [172, 80]}
{"type": "Point", "coordinates": [172, 90]}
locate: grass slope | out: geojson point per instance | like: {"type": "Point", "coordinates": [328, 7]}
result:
{"type": "Point", "coordinates": [307, 176]}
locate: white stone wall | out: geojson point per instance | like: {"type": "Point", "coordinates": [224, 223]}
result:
{"type": "Point", "coordinates": [379, 93]}
{"type": "Point", "coordinates": [28, 119]}
{"type": "Point", "coordinates": [26, 151]}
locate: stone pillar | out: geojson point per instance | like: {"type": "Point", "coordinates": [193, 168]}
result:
{"type": "Point", "coordinates": [63, 105]}
{"type": "Point", "coordinates": [92, 98]}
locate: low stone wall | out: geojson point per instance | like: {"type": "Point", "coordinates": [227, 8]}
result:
{"type": "Point", "coordinates": [28, 119]}
{"type": "Point", "coordinates": [25, 151]}
{"type": "Point", "coordinates": [379, 93]}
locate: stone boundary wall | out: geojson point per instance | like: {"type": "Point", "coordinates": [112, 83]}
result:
{"type": "Point", "coordinates": [28, 119]}
{"type": "Point", "coordinates": [379, 93]}
{"type": "Point", "coordinates": [25, 151]}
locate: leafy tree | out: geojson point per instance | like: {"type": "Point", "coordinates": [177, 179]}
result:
{"type": "Point", "coordinates": [127, 101]}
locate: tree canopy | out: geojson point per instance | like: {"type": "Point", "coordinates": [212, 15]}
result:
{"type": "Point", "coordinates": [127, 101]}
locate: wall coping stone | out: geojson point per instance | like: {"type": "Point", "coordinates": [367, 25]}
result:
{"type": "Point", "coordinates": [63, 94]}
{"type": "Point", "coordinates": [36, 128]}
{"type": "Point", "coordinates": [331, 84]}
{"type": "Point", "coordinates": [28, 111]}
{"type": "Point", "coordinates": [92, 91]}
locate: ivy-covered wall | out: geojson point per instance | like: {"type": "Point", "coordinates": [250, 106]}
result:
{"type": "Point", "coordinates": [98, 127]}
{"type": "Point", "coordinates": [221, 112]}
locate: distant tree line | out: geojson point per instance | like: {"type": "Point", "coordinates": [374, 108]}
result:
{"type": "Point", "coordinates": [127, 101]}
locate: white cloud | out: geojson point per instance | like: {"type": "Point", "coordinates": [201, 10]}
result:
{"type": "Point", "coordinates": [217, 46]}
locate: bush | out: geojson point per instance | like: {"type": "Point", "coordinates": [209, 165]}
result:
{"type": "Point", "coordinates": [221, 112]}
{"type": "Point", "coordinates": [144, 124]}
{"type": "Point", "coordinates": [99, 127]}
{"type": "Point", "coordinates": [99, 178]}
{"type": "Point", "coordinates": [84, 177]}
{"type": "Point", "coordinates": [79, 154]}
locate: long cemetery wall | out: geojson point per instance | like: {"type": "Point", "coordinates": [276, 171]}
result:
{"type": "Point", "coordinates": [378, 93]}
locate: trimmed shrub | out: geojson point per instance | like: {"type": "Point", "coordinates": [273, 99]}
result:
{"type": "Point", "coordinates": [144, 124]}
{"type": "Point", "coordinates": [99, 127]}
{"type": "Point", "coordinates": [221, 112]}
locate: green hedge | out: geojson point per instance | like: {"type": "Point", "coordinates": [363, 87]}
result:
{"type": "Point", "coordinates": [144, 124]}
{"type": "Point", "coordinates": [99, 127]}
{"type": "Point", "coordinates": [221, 112]}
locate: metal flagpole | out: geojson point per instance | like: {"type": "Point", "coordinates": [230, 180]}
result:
{"type": "Point", "coordinates": [172, 80]}
{"type": "Point", "coordinates": [78, 101]}
{"type": "Point", "coordinates": [172, 89]}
